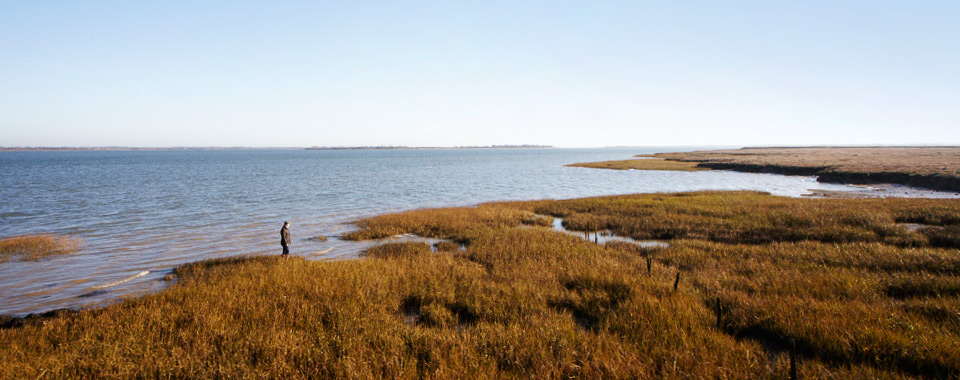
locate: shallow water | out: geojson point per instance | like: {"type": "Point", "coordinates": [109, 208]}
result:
{"type": "Point", "coordinates": [153, 210]}
{"type": "Point", "coordinates": [604, 237]}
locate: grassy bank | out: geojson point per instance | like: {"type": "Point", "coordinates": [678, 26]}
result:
{"type": "Point", "coordinates": [935, 168]}
{"type": "Point", "coordinates": [34, 247]}
{"type": "Point", "coordinates": [642, 164]}
{"type": "Point", "coordinates": [860, 293]}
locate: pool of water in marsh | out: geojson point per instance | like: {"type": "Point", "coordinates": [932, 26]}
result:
{"type": "Point", "coordinates": [142, 213]}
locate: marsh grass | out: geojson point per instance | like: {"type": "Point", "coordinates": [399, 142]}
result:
{"type": "Point", "coordinates": [908, 160]}
{"type": "Point", "coordinates": [929, 167]}
{"type": "Point", "coordinates": [860, 296]}
{"type": "Point", "coordinates": [643, 164]}
{"type": "Point", "coordinates": [35, 247]}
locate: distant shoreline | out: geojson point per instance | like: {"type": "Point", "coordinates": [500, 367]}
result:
{"type": "Point", "coordinates": [934, 168]}
{"type": "Point", "coordinates": [123, 148]}
{"type": "Point", "coordinates": [429, 147]}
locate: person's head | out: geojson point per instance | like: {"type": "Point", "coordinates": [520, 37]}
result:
{"type": "Point", "coordinates": [286, 224]}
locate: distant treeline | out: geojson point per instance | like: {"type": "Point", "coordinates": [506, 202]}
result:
{"type": "Point", "coordinates": [384, 147]}
{"type": "Point", "coordinates": [102, 148]}
{"type": "Point", "coordinates": [114, 148]}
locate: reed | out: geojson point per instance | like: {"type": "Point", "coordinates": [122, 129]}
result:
{"type": "Point", "coordinates": [858, 295]}
{"type": "Point", "coordinates": [35, 247]}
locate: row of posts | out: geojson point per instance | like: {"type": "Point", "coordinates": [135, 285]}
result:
{"type": "Point", "coordinates": [719, 307]}
{"type": "Point", "coordinates": [719, 312]}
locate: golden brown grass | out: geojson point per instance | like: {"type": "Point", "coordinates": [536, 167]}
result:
{"type": "Point", "coordinates": [912, 160]}
{"type": "Point", "coordinates": [860, 296]}
{"type": "Point", "coordinates": [933, 167]}
{"type": "Point", "coordinates": [642, 164]}
{"type": "Point", "coordinates": [34, 247]}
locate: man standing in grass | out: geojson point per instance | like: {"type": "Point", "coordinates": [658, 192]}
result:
{"type": "Point", "coordinates": [285, 238]}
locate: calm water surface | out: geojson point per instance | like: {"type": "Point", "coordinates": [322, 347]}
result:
{"type": "Point", "coordinates": [153, 210]}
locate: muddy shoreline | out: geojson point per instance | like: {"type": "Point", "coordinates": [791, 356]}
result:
{"type": "Point", "coordinates": [941, 182]}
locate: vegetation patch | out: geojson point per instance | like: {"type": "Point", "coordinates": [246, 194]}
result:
{"type": "Point", "coordinates": [928, 286]}
{"type": "Point", "coordinates": [643, 164]}
{"type": "Point", "coordinates": [947, 236]}
{"type": "Point", "coordinates": [35, 247]}
{"type": "Point", "coordinates": [396, 250]}
{"type": "Point", "coordinates": [591, 300]}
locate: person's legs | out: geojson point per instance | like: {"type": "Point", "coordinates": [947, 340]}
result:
{"type": "Point", "coordinates": [286, 250]}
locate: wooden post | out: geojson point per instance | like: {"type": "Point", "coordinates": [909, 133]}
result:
{"type": "Point", "coordinates": [649, 263]}
{"type": "Point", "coordinates": [676, 282]}
{"type": "Point", "coordinates": [793, 359]}
{"type": "Point", "coordinates": [596, 237]}
{"type": "Point", "coordinates": [719, 313]}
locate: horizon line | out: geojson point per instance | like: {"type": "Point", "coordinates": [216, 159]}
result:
{"type": "Point", "coordinates": [505, 146]}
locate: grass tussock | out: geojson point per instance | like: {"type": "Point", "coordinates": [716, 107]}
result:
{"type": "Point", "coordinates": [35, 247]}
{"type": "Point", "coordinates": [643, 164]}
{"type": "Point", "coordinates": [397, 250]}
{"type": "Point", "coordinates": [860, 297]}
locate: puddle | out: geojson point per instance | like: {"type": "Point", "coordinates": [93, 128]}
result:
{"type": "Point", "coordinates": [410, 310]}
{"type": "Point", "coordinates": [913, 227]}
{"type": "Point", "coordinates": [434, 244]}
{"type": "Point", "coordinates": [602, 237]}
{"type": "Point", "coordinates": [411, 316]}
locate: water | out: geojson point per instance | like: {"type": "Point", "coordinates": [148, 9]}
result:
{"type": "Point", "coordinates": [150, 211]}
{"type": "Point", "coordinates": [607, 236]}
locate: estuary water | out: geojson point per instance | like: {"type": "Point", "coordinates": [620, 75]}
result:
{"type": "Point", "coordinates": [142, 213]}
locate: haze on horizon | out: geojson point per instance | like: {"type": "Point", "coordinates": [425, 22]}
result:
{"type": "Point", "coordinates": [568, 74]}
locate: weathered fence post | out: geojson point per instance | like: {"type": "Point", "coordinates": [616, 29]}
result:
{"type": "Point", "coordinates": [596, 237]}
{"type": "Point", "coordinates": [649, 263]}
{"type": "Point", "coordinates": [719, 313]}
{"type": "Point", "coordinates": [676, 282]}
{"type": "Point", "coordinates": [793, 359]}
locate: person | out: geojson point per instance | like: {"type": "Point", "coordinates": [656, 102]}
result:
{"type": "Point", "coordinates": [285, 238]}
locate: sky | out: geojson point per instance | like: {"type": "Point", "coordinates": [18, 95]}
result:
{"type": "Point", "coordinates": [454, 73]}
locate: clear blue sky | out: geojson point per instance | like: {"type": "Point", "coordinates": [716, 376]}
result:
{"type": "Point", "coordinates": [564, 73]}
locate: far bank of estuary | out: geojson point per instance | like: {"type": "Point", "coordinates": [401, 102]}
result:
{"type": "Point", "coordinates": [935, 168]}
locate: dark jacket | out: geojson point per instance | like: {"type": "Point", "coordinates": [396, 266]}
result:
{"type": "Point", "coordinates": [284, 236]}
